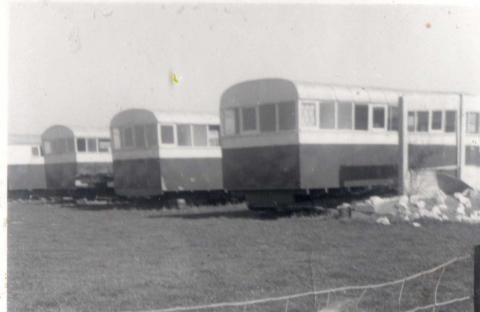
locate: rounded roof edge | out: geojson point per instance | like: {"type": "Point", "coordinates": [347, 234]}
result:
{"type": "Point", "coordinates": [145, 116]}
{"type": "Point", "coordinates": [60, 131]}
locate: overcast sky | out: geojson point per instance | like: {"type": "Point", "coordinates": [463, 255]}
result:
{"type": "Point", "coordinates": [79, 64]}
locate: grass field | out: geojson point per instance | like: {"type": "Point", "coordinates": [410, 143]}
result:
{"type": "Point", "coordinates": [77, 259]}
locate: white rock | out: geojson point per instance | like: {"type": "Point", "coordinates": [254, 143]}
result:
{"type": "Point", "coordinates": [416, 224]}
{"type": "Point", "coordinates": [383, 220]}
{"type": "Point", "coordinates": [465, 201]}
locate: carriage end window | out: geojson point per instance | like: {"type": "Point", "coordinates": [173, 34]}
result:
{"type": "Point", "coordinates": [361, 117]}
{"type": "Point", "coordinates": [151, 135]}
{"type": "Point", "coordinates": [249, 119]}
{"type": "Point", "coordinates": [139, 136]}
{"type": "Point", "coordinates": [437, 123]}
{"type": "Point", "coordinates": [287, 116]}
{"type": "Point", "coordinates": [167, 134]}
{"type": "Point", "coordinates": [450, 121]}
{"type": "Point", "coordinates": [47, 147]}
{"type": "Point", "coordinates": [116, 138]}
{"type": "Point", "coordinates": [184, 135]}
{"type": "Point", "coordinates": [378, 117]}
{"type": "Point", "coordinates": [231, 121]}
{"type": "Point", "coordinates": [268, 118]}
{"type": "Point", "coordinates": [128, 137]}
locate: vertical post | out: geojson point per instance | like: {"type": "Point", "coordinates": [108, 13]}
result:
{"type": "Point", "coordinates": [460, 139]}
{"type": "Point", "coordinates": [476, 279]}
{"type": "Point", "coordinates": [403, 146]}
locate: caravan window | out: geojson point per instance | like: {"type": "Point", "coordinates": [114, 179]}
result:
{"type": "Point", "coordinates": [139, 136]}
{"type": "Point", "coordinates": [92, 145]}
{"type": "Point", "coordinates": [81, 145]}
{"type": "Point", "coordinates": [231, 121]}
{"type": "Point", "coordinates": [35, 151]}
{"type": "Point", "coordinates": [473, 122]}
{"type": "Point", "coordinates": [422, 121]}
{"type": "Point", "coordinates": [249, 119]}
{"type": "Point", "coordinates": [450, 121]}
{"type": "Point", "coordinates": [268, 118]}
{"type": "Point", "coordinates": [184, 135]}
{"type": "Point", "coordinates": [200, 135]}
{"type": "Point", "coordinates": [378, 117]}
{"type": "Point", "coordinates": [411, 121]}
{"type": "Point", "coordinates": [213, 135]}
{"type": "Point", "coordinates": [361, 117]}
{"type": "Point", "coordinates": [308, 114]}
{"type": "Point", "coordinates": [327, 115]}
{"type": "Point", "coordinates": [437, 121]}
{"type": "Point", "coordinates": [344, 115]}
{"type": "Point", "coordinates": [393, 122]}
{"type": "Point", "coordinates": [151, 135]}
{"type": "Point", "coordinates": [167, 134]}
{"type": "Point", "coordinates": [103, 145]}
{"type": "Point", "coordinates": [286, 116]}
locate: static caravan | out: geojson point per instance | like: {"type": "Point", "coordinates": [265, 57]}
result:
{"type": "Point", "coordinates": [26, 171]}
{"type": "Point", "coordinates": [295, 141]}
{"type": "Point", "coordinates": [161, 154]}
{"type": "Point", "coordinates": [77, 158]}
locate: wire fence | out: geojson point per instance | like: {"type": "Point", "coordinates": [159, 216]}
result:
{"type": "Point", "coordinates": [357, 294]}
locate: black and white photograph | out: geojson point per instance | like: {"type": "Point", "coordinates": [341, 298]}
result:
{"type": "Point", "coordinates": [301, 156]}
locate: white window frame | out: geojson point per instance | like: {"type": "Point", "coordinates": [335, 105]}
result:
{"type": "Point", "coordinates": [431, 121]}
{"type": "Point", "coordinates": [147, 145]}
{"type": "Point", "coordinates": [98, 145]}
{"type": "Point", "coordinates": [335, 115]}
{"type": "Point", "coordinates": [299, 119]}
{"type": "Point", "coordinates": [192, 133]}
{"type": "Point", "coordinates": [257, 121]}
{"type": "Point", "coordinates": [160, 142]}
{"type": "Point", "coordinates": [371, 122]}
{"type": "Point", "coordinates": [414, 121]}
{"type": "Point", "coordinates": [76, 145]}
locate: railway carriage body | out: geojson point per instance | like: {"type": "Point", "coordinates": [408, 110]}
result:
{"type": "Point", "coordinates": [26, 171]}
{"type": "Point", "coordinates": [76, 158]}
{"type": "Point", "coordinates": [159, 153]}
{"type": "Point", "coordinates": [285, 142]}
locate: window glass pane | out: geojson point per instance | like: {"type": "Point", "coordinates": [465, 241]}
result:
{"type": "Point", "coordinates": [411, 121]}
{"type": "Point", "coordinates": [200, 135]}
{"type": "Point", "coordinates": [103, 145]}
{"type": "Point", "coordinates": [344, 115]}
{"type": "Point", "coordinates": [393, 118]}
{"type": "Point", "coordinates": [361, 117]}
{"type": "Point", "coordinates": [128, 137]}
{"type": "Point", "coordinates": [60, 146]}
{"type": "Point", "coordinates": [437, 120]}
{"type": "Point", "coordinates": [450, 121]}
{"type": "Point", "coordinates": [231, 121]}
{"type": "Point", "coordinates": [167, 134]}
{"type": "Point", "coordinates": [308, 114]}
{"type": "Point", "coordinates": [378, 117]}
{"type": "Point", "coordinates": [422, 121]}
{"type": "Point", "coordinates": [151, 134]}
{"type": "Point", "coordinates": [286, 116]}
{"type": "Point", "coordinates": [249, 119]}
{"type": "Point", "coordinates": [140, 136]}
{"type": "Point", "coordinates": [47, 147]}
{"type": "Point", "coordinates": [35, 151]}
{"type": "Point", "coordinates": [327, 115]}
{"type": "Point", "coordinates": [184, 136]}
{"type": "Point", "coordinates": [92, 144]}
{"type": "Point", "coordinates": [472, 122]}
{"type": "Point", "coordinates": [116, 138]}
{"type": "Point", "coordinates": [268, 120]}
{"type": "Point", "coordinates": [213, 135]}
{"type": "Point", "coordinates": [81, 145]}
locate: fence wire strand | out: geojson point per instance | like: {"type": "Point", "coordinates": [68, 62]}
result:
{"type": "Point", "coordinates": [327, 292]}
